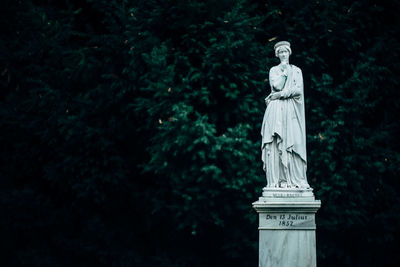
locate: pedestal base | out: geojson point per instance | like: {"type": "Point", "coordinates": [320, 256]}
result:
{"type": "Point", "coordinates": [287, 227]}
{"type": "Point", "coordinates": [287, 248]}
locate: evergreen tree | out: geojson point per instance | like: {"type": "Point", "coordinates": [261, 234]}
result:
{"type": "Point", "coordinates": [130, 130]}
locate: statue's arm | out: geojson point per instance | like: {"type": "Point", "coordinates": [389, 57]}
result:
{"type": "Point", "coordinates": [276, 79]}
{"type": "Point", "coordinates": [297, 88]}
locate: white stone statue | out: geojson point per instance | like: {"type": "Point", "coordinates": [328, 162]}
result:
{"type": "Point", "coordinates": [283, 129]}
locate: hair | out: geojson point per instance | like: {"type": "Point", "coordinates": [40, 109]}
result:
{"type": "Point", "coordinates": [283, 47]}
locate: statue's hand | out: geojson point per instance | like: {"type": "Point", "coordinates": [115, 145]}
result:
{"type": "Point", "coordinates": [275, 96]}
{"type": "Point", "coordinates": [267, 100]}
{"type": "Point", "coordinates": [284, 68]}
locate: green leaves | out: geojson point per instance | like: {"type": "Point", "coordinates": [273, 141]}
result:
{"type": "Point", "coordinates": [131, 129]}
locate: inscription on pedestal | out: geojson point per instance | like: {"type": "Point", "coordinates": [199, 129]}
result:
{"type": "Point", "coordinates": [285, 195]}
{"type": "Point", "coordinates": [287, 221]}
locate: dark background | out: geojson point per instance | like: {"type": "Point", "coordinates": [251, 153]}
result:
{"type": "Point", "coordinates": [130, 130]}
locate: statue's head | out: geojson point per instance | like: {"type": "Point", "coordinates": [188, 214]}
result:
{"type": "Point", "coordinates": [282, 50]}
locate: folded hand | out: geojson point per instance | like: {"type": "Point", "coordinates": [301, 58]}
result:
{"type": "Point", "coordinates": [275, 96]}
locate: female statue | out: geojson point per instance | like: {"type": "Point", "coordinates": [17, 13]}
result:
{"type": "Point", "coordinates": [283, 128]}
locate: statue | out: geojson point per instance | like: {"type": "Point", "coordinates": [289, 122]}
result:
{"type": "Point", "coordinates": [283, 129]}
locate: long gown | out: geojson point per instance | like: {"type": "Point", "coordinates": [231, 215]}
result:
{"type": "Point", "coordinates": [283, 131]}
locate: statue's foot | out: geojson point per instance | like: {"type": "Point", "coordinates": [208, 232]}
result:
{"type": "Point", "coordinates": [306, 186]}
{"type": "Point", "coordinates": [303, 186]}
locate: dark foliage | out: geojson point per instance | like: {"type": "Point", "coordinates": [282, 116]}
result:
{"type": "Point", "coordinates": [130, 129]}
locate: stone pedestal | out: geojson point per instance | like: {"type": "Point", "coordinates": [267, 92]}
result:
{"type": "Point", "coordinates": [287, 227]}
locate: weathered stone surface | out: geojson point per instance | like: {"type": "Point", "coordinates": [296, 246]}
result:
{"type": "Point", "coordinates": [287, 206]}
{"type": "Point", "coordinates": [287, 227]}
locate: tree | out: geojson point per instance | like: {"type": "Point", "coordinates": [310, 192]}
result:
{"type": "Point", "coordinates": [130, 129]}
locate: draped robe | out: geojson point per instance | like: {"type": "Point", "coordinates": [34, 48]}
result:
{"type": "Point", "coordinates": [283, 131]}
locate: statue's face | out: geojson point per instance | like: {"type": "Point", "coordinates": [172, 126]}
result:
{"type": "Point", "coordinates": [283, 54]}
